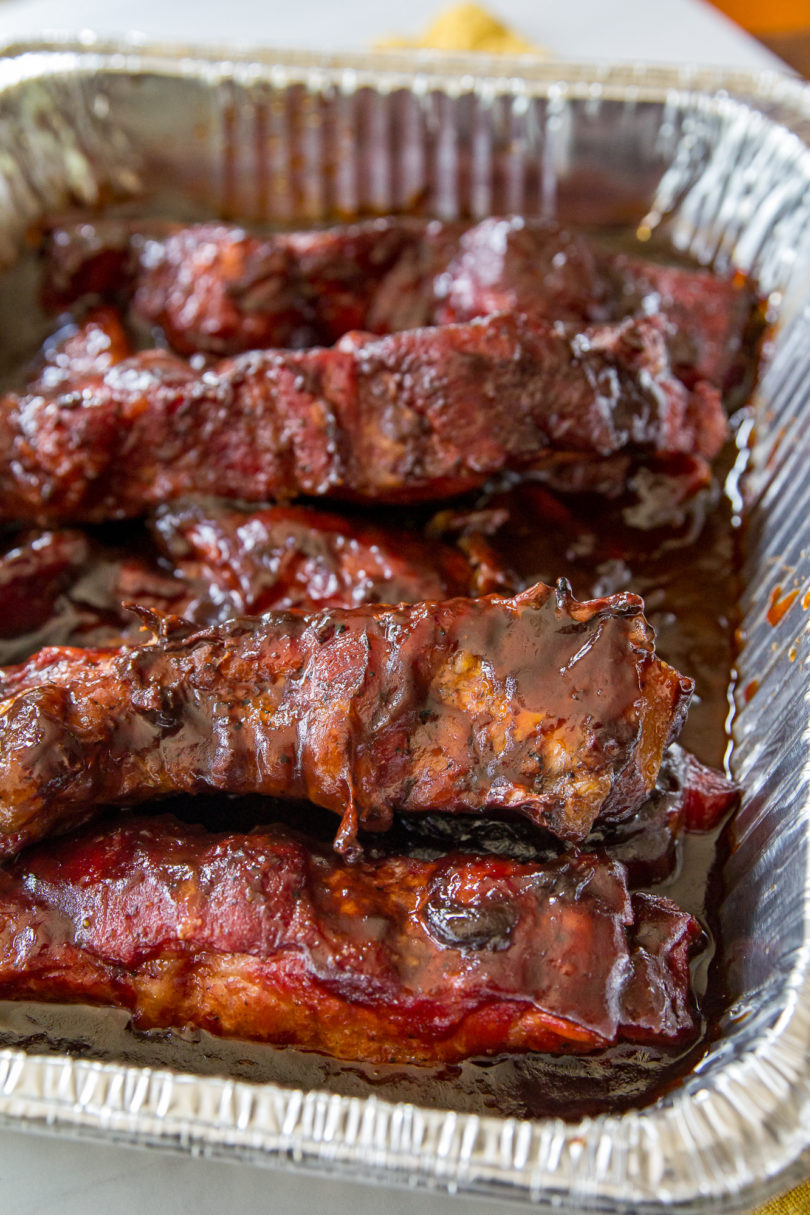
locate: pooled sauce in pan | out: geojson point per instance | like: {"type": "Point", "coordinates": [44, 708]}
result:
{"type": "Point", "coordinates": [679, 550]}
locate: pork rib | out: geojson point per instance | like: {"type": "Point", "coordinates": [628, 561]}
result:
{"type": "Point", "coordinates": [66, 588]}
{"type": "Point", "coordinates": [269, 937]}
{"type": "Point", "coordinates": [537, 268]}
{"type": "Point", "coordinates": [414, 416]}
{"type": "Point", "coordinates": [79, 352]}
{"type": "Point", "coordinates": [217, 289]}
{"type": "Point", "coordinates": [537, 705]}
{"type": "Point", "coordinates": [63, 588]}
{"type": "Point", "coordinates": [278, 557]}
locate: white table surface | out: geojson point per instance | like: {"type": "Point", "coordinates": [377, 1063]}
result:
{"type": "Point", "coordinates": [40, 1175]}
{"type": "Point", "coordinates": [661, 30]}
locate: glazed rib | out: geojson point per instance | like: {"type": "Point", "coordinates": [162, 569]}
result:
{"type": "Point", "coordinates": [414, 416]}
{"type": "Point", "coordinates": [214, 560]}
{"type": "Point", "coordinates": [268, 937]}
{"type": "Point", "coordinates": [34, 571]}
{"type": "Point", "coordinates": [539, 706]}
{"type": "Point", "coordinates": [542, 270]}
{"type": "Point", "coordinates": [280, 557]}
{"type": "Point", "coordinates": [65, 588]}
{"type": "Point", "coordinates": [81, 351]}
{"type": "Point", "coordinates": [214, 288]}
{"type": "Point", "coordinates": [713, 320]}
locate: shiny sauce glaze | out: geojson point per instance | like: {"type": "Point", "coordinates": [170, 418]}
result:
{"type": "Point", "coordinates": [663, 537]}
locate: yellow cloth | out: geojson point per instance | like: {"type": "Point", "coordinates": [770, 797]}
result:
{"type": "Point", "coordinates": [466, 27]}
{"type": "Point", "coordinates": [797, 1202]}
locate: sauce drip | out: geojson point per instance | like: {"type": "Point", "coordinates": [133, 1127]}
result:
{"type": "Point", "coordinates": [779, 605]}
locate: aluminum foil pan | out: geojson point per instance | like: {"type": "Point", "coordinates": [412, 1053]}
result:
{"type": "Point", "coordinates": [722, 161]}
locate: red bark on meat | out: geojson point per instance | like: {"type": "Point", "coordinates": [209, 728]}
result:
{"type": "Point", "coordinates": [537, 706]}
{"type": "Point", "coordinates": [267, 936]}
{"type": "Point", "coordinates": [414, 416]}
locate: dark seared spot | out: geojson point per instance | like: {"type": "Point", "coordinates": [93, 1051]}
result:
{"type": "Point", "coordinates": [486, 926]}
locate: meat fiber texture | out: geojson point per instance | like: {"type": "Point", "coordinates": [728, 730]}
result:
{"type": "Point", "coordinates": [269, 937]}
{"type": "Point", "coordinates": [217, 289]}
{"type": "Point", "coordinates": [214, 560]}
{"type": "Point", "coordinates": [537, 706]}
{"type": "Point", "coordinates": [410, 417]}
{"type": "Point", "coordinates": [537, 710]}
{"type": "Point", "coordinates": [257, 559]}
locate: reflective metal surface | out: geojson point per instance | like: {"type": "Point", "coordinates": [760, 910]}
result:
{"type": "Point", "coordinates": [722, 163]}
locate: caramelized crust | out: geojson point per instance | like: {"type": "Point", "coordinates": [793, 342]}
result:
{"type": "Point", "coordinates": [266, 936]}
{"type": "Point", "coordinates": [413, 416]}
{"type": "Point", "coordinates": [275, 557]}
{"type": "Point", "coordinates": [538, 706]}
{"type": "Point", "coordinates": [82, 351]}
{"type": "Point", "coordinates": [217, 289]}
{"type": "Point", "coordinates": [215, 560]}
{"type": "Point", "coordinates": [542, 270]}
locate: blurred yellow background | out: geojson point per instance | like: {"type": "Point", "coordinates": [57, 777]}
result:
{"type": "Point", "coordinates": [783, 25]}
{"type": "Point", "coordinates": [778, 17]}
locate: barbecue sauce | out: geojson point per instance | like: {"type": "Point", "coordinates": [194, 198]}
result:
{"type": "Point", "coordinates": [663, 538]}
